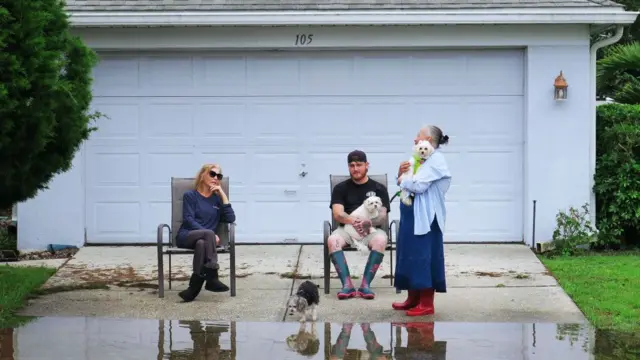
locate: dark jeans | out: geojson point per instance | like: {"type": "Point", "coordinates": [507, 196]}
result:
{"type": "Point", "coordinates": [203, 243]}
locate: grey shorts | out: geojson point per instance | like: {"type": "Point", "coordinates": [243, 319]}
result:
{"type": "Point", "coordinates": [340, 231]}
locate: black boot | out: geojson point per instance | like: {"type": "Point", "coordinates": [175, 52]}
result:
{"type": "Point", "coordinates": [213, 283]}
{"type": "Point", "coordinates": [195, 285]}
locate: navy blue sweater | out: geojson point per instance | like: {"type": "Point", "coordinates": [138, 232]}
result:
{"type": "Point", "coordinates": [199, 212]}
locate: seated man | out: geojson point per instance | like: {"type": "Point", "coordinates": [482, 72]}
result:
{"type": "Point", "coordinates": [345, 198]}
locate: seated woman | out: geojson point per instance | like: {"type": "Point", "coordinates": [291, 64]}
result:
{"type": "Point", "coordinates": [203, 209]}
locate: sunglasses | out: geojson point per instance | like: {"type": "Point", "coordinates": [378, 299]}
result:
{"type": "Point", "coordinates": [214, 174]}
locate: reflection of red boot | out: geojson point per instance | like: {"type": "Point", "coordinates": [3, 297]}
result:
{"type": "Point", "coordinates": [412, 300]}
{"type": "Point", "coordinates": [425, 306]}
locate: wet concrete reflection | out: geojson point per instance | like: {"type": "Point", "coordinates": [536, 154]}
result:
{"type": "Point", "coordinates": [101, 338]}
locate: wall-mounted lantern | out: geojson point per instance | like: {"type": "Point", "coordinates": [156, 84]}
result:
{"type": "Point", "coordinates": [560, 86]}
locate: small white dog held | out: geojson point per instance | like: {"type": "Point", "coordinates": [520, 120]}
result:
{"type": "Point", "coordinates": [369, 209]}
{"type": "Point", "coordinates": [421, 151]}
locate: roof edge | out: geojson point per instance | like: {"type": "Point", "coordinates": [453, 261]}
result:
{"type": "Point", "coordinates": [391, 17]}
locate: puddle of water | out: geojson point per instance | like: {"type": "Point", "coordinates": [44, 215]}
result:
{"type": "Point", "coordinates": [101, 338]}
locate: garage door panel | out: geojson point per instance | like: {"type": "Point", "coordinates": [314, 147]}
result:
{"type": "Point", "coordinates": [159, 167]}
{"type": "Point", "coordinates": [483, 220]}
{"type": "Point", "coordinates": [272, 75]}
{"type": "Point", "coordinates": [123, 118]}
{"type": "Point", "coordinates": [107, 225]}
{"type": "Point", "coordinates": [489, 166]}
{"type": "Point", "coordinates": [276, 169]}
{"type": "Point", "coordinates": [316, 213]}
{"type": "Point", "coordinates": [484, 75]}
{"type": "Point", "coordinates": [236, 165]}
{"type": "Point", "coordinates": [322, 162]}
{"type": "Point", "coordinates": [494, 120]}
{"type": "Point", "coordinates": [220, 75]}
{"type": "Point", "coordinates": [263, 113]}
{"type": "Point", "coordinates": [167, 71]}
{"type": "Point", "coordinates": [445, 111]}
{"type": "Point", "coordinates": [110, 167]}
{"type": "Point", "coordinates": [160, 118]}
{"type": "Point", "coordinates": [273, 219]}
{"type": "Point", "coordinates": [455, 225]}
{"type": "Point", "coordinates": [314, 79]}
{"type": "Point", "coordinates": [115, 73]}
{"type": "Point", "coordinates": [156, 212]}
{"type": "Point", "coordinates": [379, 114]}
{"type": "Point", "coordinates": [222, 120]}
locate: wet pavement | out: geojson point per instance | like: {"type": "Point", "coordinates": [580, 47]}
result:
{"type": "Point", "coordinates": [107, 338]}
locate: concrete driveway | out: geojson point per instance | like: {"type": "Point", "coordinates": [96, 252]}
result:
{"type": "Point", "coordinates": [486, 283]}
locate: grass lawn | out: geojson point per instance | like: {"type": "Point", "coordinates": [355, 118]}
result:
{"type": "Point", "coordinates": [16, 284]}
{"type": "Point", "coordinates": [605, 287]}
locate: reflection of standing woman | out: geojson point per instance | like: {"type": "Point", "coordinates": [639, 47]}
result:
{"type": "Point", "coordinates": [420, 249]}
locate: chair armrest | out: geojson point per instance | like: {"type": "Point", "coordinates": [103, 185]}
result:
{"type": "Point", "coordinates": [161, 228]}
{"type": "Point", "coordinates": [232, 233]}
{"type": "Point", "coordinates": [160, 239]}
{"type": "Point", "coordinates": [326, 227]}
{"type": "Point", "coordinates": [391, 233]}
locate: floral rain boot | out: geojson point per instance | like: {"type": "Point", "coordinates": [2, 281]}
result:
{"type": "Point", "coordinates": [373, 263]}
{"type": "Point", "coordinates": [340, 264]}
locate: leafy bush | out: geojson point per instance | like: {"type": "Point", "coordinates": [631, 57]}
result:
{"type": "Point", "coordinates": [8, 240]}
{"type": "Point", "coordinates": [45, 94]}
{"type": "Point", "coordinates": [618, 73]}
{"type": "Point", "coordinates": [617, 178]}
{"type": "Point", "coordinates": [574, 232]}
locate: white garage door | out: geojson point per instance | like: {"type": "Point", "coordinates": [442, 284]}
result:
{"type": "Point", "coordinates": [267, 117]}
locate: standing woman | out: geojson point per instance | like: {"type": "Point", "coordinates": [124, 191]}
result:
{"type": "Point", "coordinates": [202, 210]}
{"type": "Point", "coordinates": [420, 249]}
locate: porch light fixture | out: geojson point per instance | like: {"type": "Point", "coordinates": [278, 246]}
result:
{"type": "Point", "coordinates": [560, 86]}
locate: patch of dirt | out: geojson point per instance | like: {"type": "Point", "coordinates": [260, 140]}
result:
{"type": "Point", "coordinates": [140, 285]}
{"type": "Point", "coordinates": [108, 276]}
{"type": "Point", "coordinates": [488, 273]}
{"type": "Point", "coordinates": [64, 288]}
{"type": "Point", "coordinates": [45, 255]}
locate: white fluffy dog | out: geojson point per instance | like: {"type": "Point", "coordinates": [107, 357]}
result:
{"type": "Point", "coordinates": [421, 151]}
{"type": "Point", "coordinates": [369, 209]}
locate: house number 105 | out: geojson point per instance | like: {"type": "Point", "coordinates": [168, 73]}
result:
{"type": "Point", "coordinates": [303, 39]}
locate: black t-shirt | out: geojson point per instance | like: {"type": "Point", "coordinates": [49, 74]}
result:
{"type": "Point", "coordinates": [352, 195]}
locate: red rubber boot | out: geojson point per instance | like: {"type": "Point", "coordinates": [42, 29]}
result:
{"type": "Point", "coordinates": [413, 298]}
{"type": "Point", "coordinates": [425, 306]}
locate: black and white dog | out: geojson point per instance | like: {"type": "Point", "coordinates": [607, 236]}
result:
{"type": "Point", "coordinates": [305, 301]}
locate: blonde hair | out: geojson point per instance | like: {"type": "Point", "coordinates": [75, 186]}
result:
{"type": "Point", "coordinates": [204, 169]}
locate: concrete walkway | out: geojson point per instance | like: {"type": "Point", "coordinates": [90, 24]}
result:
{"type": "Point", "coordinates": [486, 283]}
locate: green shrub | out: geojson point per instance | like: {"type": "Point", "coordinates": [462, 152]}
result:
{"type": "Point", "coordinates": [45, 96]}
{"type": "Point", "coordinates": [8, 240]}
{"type": "Point", "coordinates": [617, 178]}
{"type": "Point", "coordinates": [574, 233]}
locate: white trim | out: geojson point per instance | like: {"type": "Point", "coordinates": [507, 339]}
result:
{"type": "Point", "coordinates": [597, 15]}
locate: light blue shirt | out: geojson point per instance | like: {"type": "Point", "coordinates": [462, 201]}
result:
{"type": "Point", "coordinates": [429, 185]}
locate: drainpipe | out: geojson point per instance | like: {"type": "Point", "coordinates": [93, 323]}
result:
{"type": "Point", "coordinates": [592, 99]}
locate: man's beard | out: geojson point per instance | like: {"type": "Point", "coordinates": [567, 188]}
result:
{"type": "Point", "coordinates": [359, 176]}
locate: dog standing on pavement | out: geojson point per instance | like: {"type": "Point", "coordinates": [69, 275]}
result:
{"type": "Point", "coordinates": [305, 301]}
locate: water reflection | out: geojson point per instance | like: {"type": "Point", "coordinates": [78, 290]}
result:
{"type": "Point", "coordinates": [100, 338]}
{"type": "Point", "coordinates": [205, 338]}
